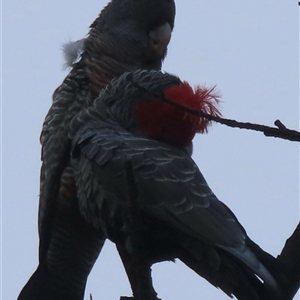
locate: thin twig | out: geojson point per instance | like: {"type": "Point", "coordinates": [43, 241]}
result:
{"type": "Point", "coordinates": [280, 131]}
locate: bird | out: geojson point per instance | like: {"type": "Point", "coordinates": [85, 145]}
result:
{"type": "Point", "coordinates": [126, 36]}
{"type": "Point", "coordinates": [137, 182]}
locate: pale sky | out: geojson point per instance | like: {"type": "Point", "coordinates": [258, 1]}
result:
{"type": "Point", "coordinates": [249, 49]}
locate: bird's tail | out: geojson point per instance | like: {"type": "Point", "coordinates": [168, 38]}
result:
{"type": "Point", "coordinates": [228, 272]}
{"type": "Point", "coordinates": [43, 285]}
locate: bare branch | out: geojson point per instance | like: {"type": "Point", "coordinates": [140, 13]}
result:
{"type": "Point", "coordinates": [290, 259]}
{"type": "Point", "coordinates": [280, 131]}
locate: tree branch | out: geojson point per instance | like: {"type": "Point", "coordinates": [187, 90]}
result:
{"type": "Point", "coordinates": [280, 131]}
{"type": "Point", "coordinates": [290, 259]}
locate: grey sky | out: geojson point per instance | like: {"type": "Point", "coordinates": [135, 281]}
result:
{"type": "Point", "coordinates": [249, 49]}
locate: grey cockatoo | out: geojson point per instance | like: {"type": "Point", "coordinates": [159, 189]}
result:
{"type": "Point", "coordinates": [128, 35]}
{"type": "Point", "coordinates": [138, 184]}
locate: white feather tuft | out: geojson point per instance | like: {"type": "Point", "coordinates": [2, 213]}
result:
{"type": "Point", "coordinates": [71, 52]}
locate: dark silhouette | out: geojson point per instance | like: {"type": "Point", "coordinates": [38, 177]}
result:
{"type": "Point", "coordinates": [127, 35]}
{"type": "Point", "coordinates": [137, 182]}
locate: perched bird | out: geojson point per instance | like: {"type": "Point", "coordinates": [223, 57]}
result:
{"type": "Point", "coordinates": [138, 184]}
{"type": "Point", "coordinates": [128, 35]}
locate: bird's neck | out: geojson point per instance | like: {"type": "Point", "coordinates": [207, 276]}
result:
{"type": "Point", "coordinates": [100, 71]}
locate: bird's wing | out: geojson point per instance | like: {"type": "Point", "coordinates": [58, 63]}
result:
{"type": "Point", "coordinates": [68, 99]}
{"type": "Point", "coordinates": [170, 185]}
{"type": "Point", "coordinates": [170, 188]}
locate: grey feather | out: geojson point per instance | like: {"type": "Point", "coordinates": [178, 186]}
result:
{"type": "Point", "coordinates": [71, 52]}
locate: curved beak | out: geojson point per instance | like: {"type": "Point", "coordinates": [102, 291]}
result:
{"type": "Point", "coordinates": [160, 37]}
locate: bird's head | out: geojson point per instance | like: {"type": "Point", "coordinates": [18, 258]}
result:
{"type": "Point", "coordinates": [140, 101]}
{"type": "Point", "coordinates": [133, 31]}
